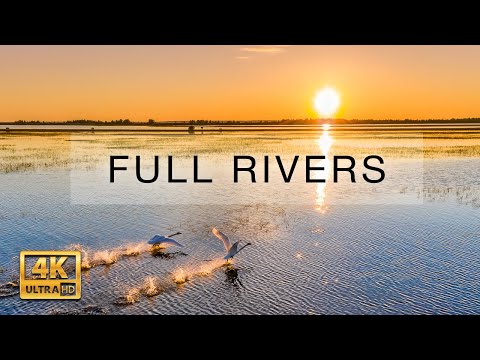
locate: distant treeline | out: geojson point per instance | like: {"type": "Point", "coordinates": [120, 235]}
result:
{"type": "Point", "coordinates": [380, 121]}
{"type": "Point", "coordinates": [232, 122]}
{"type": "Point", "coordinates": [76, 122]}
{"type": "Point", "coordinates": [152, 122]}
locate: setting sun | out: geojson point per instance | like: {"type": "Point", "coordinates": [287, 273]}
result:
{"type": "Point", "coordinates": [326, 102]}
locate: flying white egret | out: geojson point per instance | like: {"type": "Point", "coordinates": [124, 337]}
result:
{"type": "Point", "coordinates": [164, 240]}
{"type": "Point", "coordinates": [232, 250]}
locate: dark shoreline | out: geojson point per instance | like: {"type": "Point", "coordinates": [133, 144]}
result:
{"type": "Point", "coordinates": [185, 131]}
{"type": "Point", "coordinates": [220, 125]}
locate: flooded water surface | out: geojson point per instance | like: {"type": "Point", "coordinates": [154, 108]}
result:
{"type": "Point", "coordinates": [407, 245]}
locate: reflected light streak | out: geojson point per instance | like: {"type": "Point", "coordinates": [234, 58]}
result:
{"type": "Point", "coordinates": [324, 143]}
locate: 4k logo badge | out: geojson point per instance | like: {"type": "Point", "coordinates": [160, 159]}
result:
{"type": "Point", "coordinates": [50, 275]}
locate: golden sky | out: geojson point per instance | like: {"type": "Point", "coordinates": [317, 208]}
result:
{"type": "Point", "coordinates": [54, 83]}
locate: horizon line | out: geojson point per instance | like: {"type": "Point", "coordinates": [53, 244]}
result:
{"type": "Point", "coordinates": [238, 120]}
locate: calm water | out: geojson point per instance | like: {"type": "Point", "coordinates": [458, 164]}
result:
{"type": "Point", "coordinates": [408, 245]}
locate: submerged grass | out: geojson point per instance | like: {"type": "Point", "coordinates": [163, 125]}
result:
{"type": "Point", "coordinates": [465, 195]}
{"type": "Point", "coordinates": [24, 152]}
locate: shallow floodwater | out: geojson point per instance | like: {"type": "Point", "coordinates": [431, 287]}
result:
{"type": "Point", "coordinates": [408, 245]}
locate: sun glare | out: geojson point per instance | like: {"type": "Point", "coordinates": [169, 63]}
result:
{"type": "Point", "coordinates": [326, 102]}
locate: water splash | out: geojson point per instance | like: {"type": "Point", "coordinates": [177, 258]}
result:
{"type": "Point", "coordinates": [180, 276]}
{"type": "Point", "coordinates": [135, 249]}
{"type": "Point", "coordinates": [151, 287]}
{"type": "Point", "coordinates": [108, 257]}
{"type": "Point", "coordinates": [132, 296]}
{"type": "Point", "coordinates": [207, 268]}
{"type": "Point", "coordinates": [85, 256]}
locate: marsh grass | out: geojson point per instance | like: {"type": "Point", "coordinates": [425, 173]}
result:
{"type": "Point", "coordinates": [28, 152]}
{"type": "Point", "coordinates": [464, 195]}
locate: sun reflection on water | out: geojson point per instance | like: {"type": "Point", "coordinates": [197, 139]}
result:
{"type": "Point", "coordinates": [324, 144]}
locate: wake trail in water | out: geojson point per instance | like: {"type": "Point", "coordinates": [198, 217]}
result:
{"type": "Point", "coordinates": [94, 258]}
{"type": "Point", "coordinates": [91, 258]}
{"type": "Point", "coordinates": [153, 286]}
{"type": "Point", "coordinates": [182, 275]}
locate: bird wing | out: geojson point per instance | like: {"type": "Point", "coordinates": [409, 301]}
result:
{"type": "Point", "coordinates": [233, 250]}
{"type": "Point", "coordinates": [159, 239]}
{"type": "Point", "coordinates": [223, 237]}
{"type": "Point", "coordinates": [171, 242]}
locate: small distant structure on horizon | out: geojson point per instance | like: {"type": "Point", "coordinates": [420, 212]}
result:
{"type": "Point", "coordinates": [191, 129]}
{"type": "Point", "coordinates": [7, 129]}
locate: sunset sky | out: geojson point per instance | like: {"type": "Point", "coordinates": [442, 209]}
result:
{"type": "Point", "coordinates": [241, 82]}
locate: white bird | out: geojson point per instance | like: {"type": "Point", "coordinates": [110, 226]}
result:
{"type": "Point", "coordinates": [232, 250]}
{"type": "Point", "coordinates": [160, 240]}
